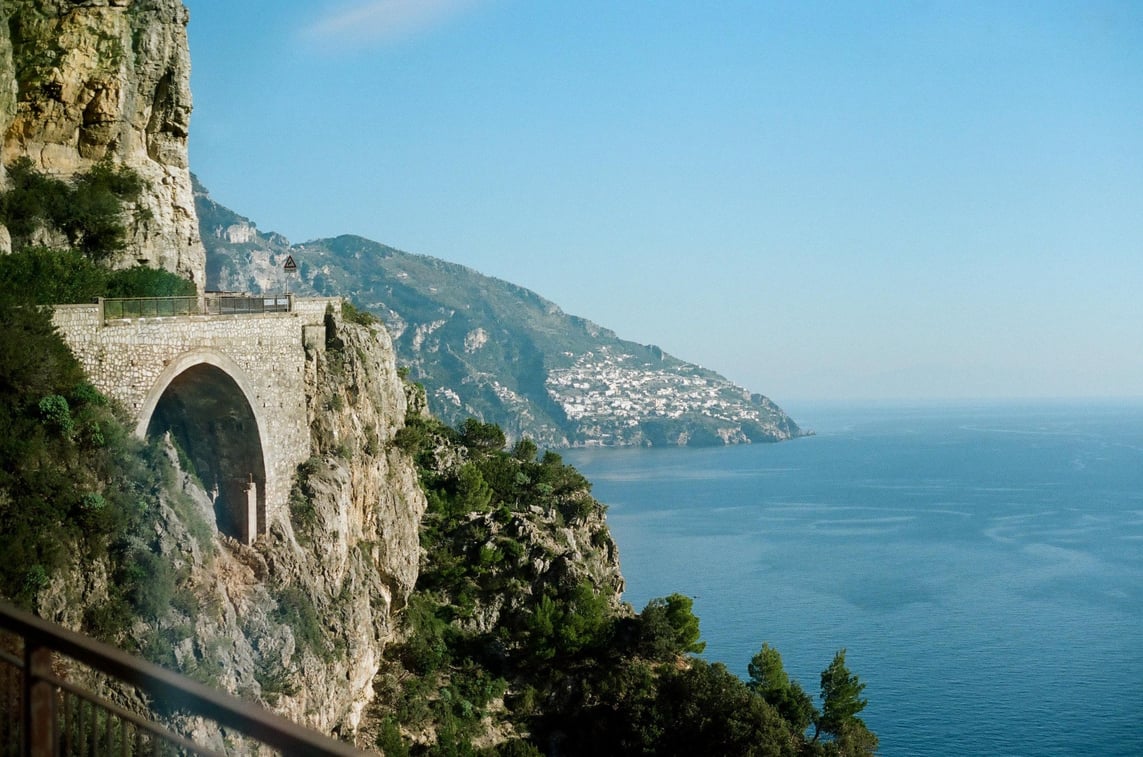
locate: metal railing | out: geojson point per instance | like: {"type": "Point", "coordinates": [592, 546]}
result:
{"type": "Point", "coordinates": [211, 303]}
{"type": "Point", "coordinates": [42, 713]}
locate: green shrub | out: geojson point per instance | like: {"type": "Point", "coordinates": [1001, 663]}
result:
{"type": "Point", "coordinates": [303, 514]}
{"type": "Point", "coordinates": [352, 314]}
{"type": "Point", "coordinates": [32, 199]}
{"type": "Point", "coordinates": [668, 627]}
{"type": "Point", "coordinates": [333, 341]}
{"type": "Point", "coordinates": [389, 739]}
{"type": "Point", "coordinates": [56, 414]}
{"type": "Point", "coordinates": [200, 529]}
{"type": "Point", "coordinates": [143, 281]}
{"type": "Point", "coordinates": [425, 650]}
{"type": "Point", "coordinates": [150, 581]}
{"type": "Point", "coordinates": [93, 502]}
{"type": "Point", "coordinates": [274, 681]}
{"type": "Point", "coordinates": [525, 450]}
{"type": "Point", "coordinates": [413, 437]}
{"type": "Point", "coordinates": [42, 276]}
{"type": "Point", "coordinates": [89, 212]}
{"type": "Point", "coordinates": [296, 610]}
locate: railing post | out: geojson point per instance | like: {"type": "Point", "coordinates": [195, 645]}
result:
{"type": "Point", "coordinates": [39, 701]}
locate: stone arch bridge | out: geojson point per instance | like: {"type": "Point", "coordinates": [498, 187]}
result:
{"type": "Point", "coordinates": [224, 375]}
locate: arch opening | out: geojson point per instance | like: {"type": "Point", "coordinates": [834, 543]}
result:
{"type": "Point", "coordinates": [210, 419]}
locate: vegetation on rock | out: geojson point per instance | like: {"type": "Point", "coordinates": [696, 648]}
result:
{"type": "Point", "coordinates": [43, 276]}
{"type": "Point", "coordinates": [75, 487]}
{"type": "Point", "coordinates": [87, 88]}
{"type": "Point", "coordinates": [516, 641]}
{"type": "Point", "coordinates": [88, 211]}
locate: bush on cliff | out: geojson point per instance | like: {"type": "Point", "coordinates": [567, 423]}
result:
{"type": "Point", "coordinates": [73, 483]}
{"type": "Point", "coordinates": [564, 666]}
{"type": "Point", "coordinates": [87, 211]}
{"type": "Point", "coordinates": [43, 276]}
{"type": "Point", "coordinates": [75, 487]}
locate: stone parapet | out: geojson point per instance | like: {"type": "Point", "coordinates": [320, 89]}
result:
{"type": "Point", "coordinates": [314, 307]}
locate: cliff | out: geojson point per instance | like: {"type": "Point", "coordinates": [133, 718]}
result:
{"type": "Point", "coordinates": [517, 601]}
{"type": "Point", "coordinates": [106, 80]}
{"type": "Point", "coordinates": [298, 621]}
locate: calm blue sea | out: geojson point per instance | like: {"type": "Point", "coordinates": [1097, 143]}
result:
{"type": "Point", "coordinates": [982, 564]}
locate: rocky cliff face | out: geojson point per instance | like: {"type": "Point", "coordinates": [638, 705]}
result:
{"type": "Point", "coordinates": [351, 545]}
{"type": "Point", "coordinates": [299, 620]}
{"type": "Point", "coordinates": [91, 80]}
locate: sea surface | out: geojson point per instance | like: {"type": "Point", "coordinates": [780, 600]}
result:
{"type": "Point", "coordinates": [982, 564]}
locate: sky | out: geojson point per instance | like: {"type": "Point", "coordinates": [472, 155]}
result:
{"type": "Point", "coordinates": [819, 200]}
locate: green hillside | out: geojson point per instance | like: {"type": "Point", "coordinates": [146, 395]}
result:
{"type": "Point", "coordinates": [489, 349]}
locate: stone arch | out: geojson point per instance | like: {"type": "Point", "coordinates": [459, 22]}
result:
{"type": "Point", "coordinates": [207, 403]}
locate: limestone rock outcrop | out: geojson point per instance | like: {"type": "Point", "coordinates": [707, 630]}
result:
{"type": "Point", "coordinates": [351, 545]}
{"type": "Point", "coordinates": [299, 620]}
{"type": "Point", "coordinates": [91, 80]}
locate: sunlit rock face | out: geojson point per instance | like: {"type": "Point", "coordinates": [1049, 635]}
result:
{"type": "Point", "coordinates": [298, 620]}
{"type": "Point", "coordinates": [82, 82]}
{"type": "Point", "coordinates": [348, 550]}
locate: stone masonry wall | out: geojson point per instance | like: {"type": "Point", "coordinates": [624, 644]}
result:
{"type": "Point", "coordinates": [126, 358]}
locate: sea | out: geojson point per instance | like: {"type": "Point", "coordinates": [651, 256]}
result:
{"type": "Point", "coordinates": [980, 563]}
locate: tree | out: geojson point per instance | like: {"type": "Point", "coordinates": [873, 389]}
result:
{"type": "Point", "coordinates": [766, 672]}
{"type": "Point", "coordinates": [769, 679]}
{"type": "Point", "coordinates": [854, 740]}
{"type": "Point", "coordinates": [841, 701]}
{"type": "Point", "coordinates": [706, 709]}
{"type": "Point", "coordinates": [473, 495]}
{"type": "Point", "coordinates": [669, 627]}
{"type": "Point", "coordinates": [481, 437]}
{"type": "Point", "coordinates": [525, 450]}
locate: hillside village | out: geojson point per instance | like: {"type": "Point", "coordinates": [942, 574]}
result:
{"type": "Point", "coordinates": [609, 394]}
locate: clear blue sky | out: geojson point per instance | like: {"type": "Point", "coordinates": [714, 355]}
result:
{"type": "Point", "coordinates": [819, 200]}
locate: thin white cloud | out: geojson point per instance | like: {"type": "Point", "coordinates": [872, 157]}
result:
{"type": "Point", "coordinates": [384, 20]}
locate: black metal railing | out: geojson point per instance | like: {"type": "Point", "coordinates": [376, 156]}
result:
{"type": "Point", "coordinates": [211, 303]}
{"type": "Point", "coordinates": [43, 713]}
{"type": "Point", "coordinates": [150, 307]}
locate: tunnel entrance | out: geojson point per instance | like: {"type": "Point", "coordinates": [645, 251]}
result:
{"type": "Point", "coordinates": [211, 421]}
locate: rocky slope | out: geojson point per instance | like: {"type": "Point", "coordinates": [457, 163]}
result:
{"type": "Point", "coordinates": [83, 82]}
{"type": "Point", "coordinates": [520, 585]}
{"type": "Point", "coordinates": [298, 621]}
{"type": "Point", "coordinates": [488, 349]}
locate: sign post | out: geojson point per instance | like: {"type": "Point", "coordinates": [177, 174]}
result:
{"type": "Point", "coordinates": [289, 267]}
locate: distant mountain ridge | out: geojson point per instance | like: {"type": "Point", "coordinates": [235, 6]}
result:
{"type": "Point", "coordinates": [489, 349]}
